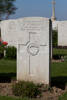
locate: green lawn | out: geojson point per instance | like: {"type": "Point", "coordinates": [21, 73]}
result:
{"type": "Point", "coordinates": [63, 97]}
{"type": "Point", "coordinates": [7, 70]}
{"type": "Point", "coordinates": [58, 74]}
{"type": "Point", "coordinates": [59, 51]}
{"type": "Point", "coordinates": [59, 69]}
{"type": "Point", "coordinates": [7, 66]}
{"type": "Point", "coordinates": [10, 98]}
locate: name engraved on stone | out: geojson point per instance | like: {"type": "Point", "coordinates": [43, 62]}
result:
{"type": "Point", "coordinates": [27, 26]}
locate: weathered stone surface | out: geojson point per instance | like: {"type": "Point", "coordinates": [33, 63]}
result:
{"type": "Point", "coordinates": [34, 50]}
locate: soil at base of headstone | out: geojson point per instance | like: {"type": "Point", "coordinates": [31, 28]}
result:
{"type": "Point", "coordinates": [6, 90]}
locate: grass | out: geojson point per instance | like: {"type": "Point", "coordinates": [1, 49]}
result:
{"type": "Point", "coordinates": [7, 66]}
{"type": "Point", "coordinates": [59, 51]}
{"type": "Point", "coordinates": [7, 70]}
{"type": "Point", "coordinates": [58, 75]}
{"type": "Point", "coordinates": [59, 69]}
{"type": "Point", "coordinates": [63, 97]}
{"type": "Point", "coordinates": [10, 98]}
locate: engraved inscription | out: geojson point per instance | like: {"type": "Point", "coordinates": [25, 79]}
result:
{"type": "Point", "coordinates": [28, 26]}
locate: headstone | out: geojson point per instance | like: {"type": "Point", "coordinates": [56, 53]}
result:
{"type": "Point", "coordinates": [34, 50]}
{"type": "Point", "coordinates": [55, 25]}
{"type": "Point", "coordinates": [62, 33]}
{"type": "Point", "coordinates": [11, 31]}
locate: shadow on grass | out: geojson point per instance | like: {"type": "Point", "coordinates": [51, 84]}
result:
{"type": "Point", "coordinates": [59, 82]}
{"type": "Point", "coordinates": [7, 77]}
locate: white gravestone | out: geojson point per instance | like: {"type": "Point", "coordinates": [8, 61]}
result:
{"type": "Point", "coordinates": [62, 33]}
{"type": "Point", "coordinates": [9, 32]}
{"type": "Point", "coordinates": [34, 51]}
{"type": "Point", "coordinates": [12, 30]}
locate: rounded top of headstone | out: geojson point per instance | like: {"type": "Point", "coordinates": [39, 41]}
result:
{"type": "Point", "coordinates": [34, 18]}
{"type": "Point", "coordinates": [28, 18]}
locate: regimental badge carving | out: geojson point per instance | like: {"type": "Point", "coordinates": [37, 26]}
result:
{"type": "Point", "coordinates": [33, 49]}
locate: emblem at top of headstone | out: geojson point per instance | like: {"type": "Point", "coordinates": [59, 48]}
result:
{"type": "Point", "coordinates": [33, 49]}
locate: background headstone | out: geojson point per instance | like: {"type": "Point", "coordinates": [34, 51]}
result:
{"type": "Point", "coordinates": [9, 32]}
{"type": "Point", "coordinates": [34, 50]}
{"type": "Point", "coordinates": [62, 33]}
